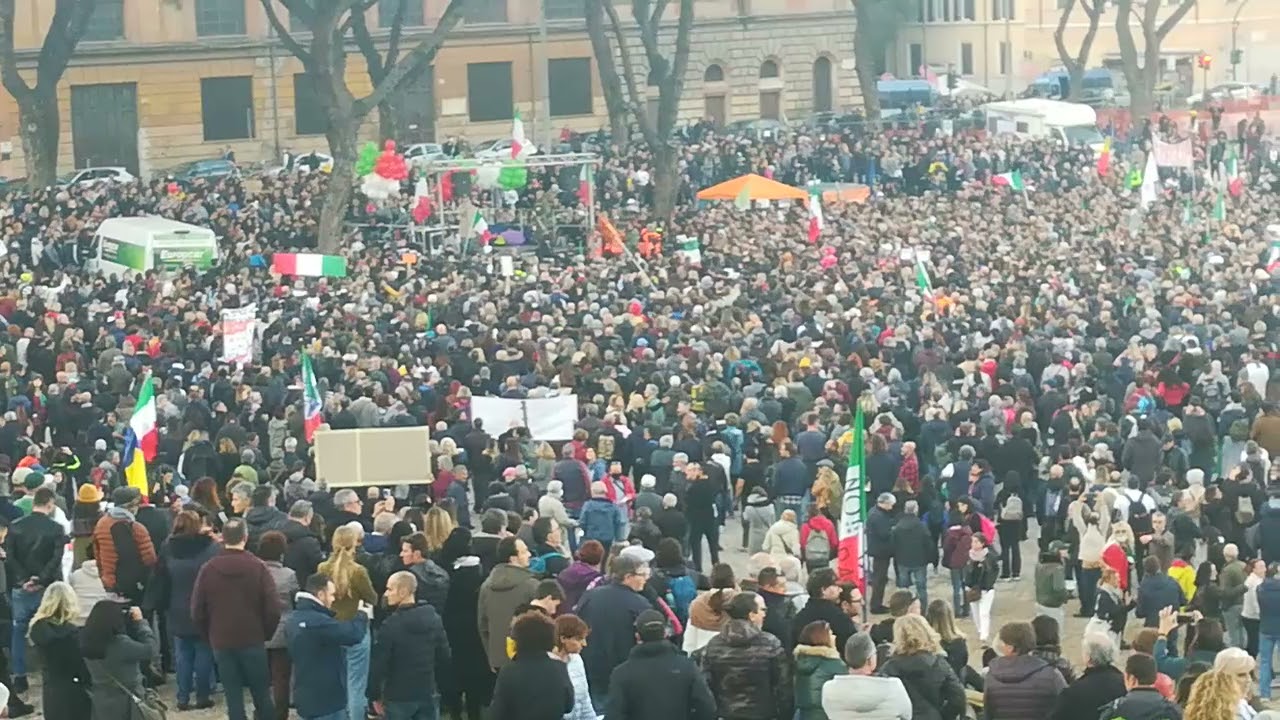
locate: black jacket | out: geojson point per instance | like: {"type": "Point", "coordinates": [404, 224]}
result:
{"type": "Point", "coordinates": [779, 616]}
{"type": "Point", "coordinates": [433, 584]}
{"type": "Point", "coordinates": [879, 533]}
{"type": "Point", "coordinates": [1096, 688]}
{"type": "Point", "coordinates": [749, 674]}
{"type": "Point", "coordinates": [532, 687]}
{"type": "Point", "coordinates": [1155, 593]}
{"type": "Point", "coordinates": [1022, 687]}
{"type": "Point", "coordinates": [842, 626]}
{"type": "Point", "coordinates": [658, 683]}
{"type": "Point", "coordinates": [411, 644]}
{"type": "Point", "coordinates": [913, 544]}
{"type": "Point", "coordinates": [303, 554]}
{"type": "Point", "coordinates": [934, 689]}
{"type": "Point", "coordinates": [672, 523]}
{"type": "Point", "coordinates": [261, 520]}
{"type": "Point", "coordinates": [610, 610]}
{"type": "Point", "coordinates": [1142, 703]}
{"type": "Point", "coordinates": [66, 681]}
{"type": "Point", "coordinates": [179, 563]}
{"type": "Point", "coordinates": [35, 545]}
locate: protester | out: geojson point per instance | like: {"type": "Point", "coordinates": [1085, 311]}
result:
{"type": "Point", "coordinates": [535, 685]}
{"type": "Point", "coordinates": [822, 605]}
{"type": "Point", "coordinates": [861, 693]}
{"type": "Point", "coordinates": [115, 643]}
{"type": "Point", "coordinates": [656, 682]}
{"type": "Point", "coordinates": [317, 643]}
{"type": "Point", "coordinates": [980, 584]}
{"type": "Point", "coordinates": [270, 549]}
{"type": "Point", "coordinates": [571, 637]}
{"type": "Point", "coordinates": [817, 662]}
{"type": "Point", "coordinates": [122, 546]}
{"type": "Point", "coordinates": [611, 610]}
{"type": "Point", "coordinates": [916, 660]}
{"type": "Point", "coordinates": [1099, 684]}
{"type": "Point", "coordinates": [181, 559]}
{"type": "Point", "coordinates": [1019, 684]}
{"type": "Point", "coordinates": [747, 669]}
{"type": "Point", "coordinates": [55, 632]}
{"type": "Point", "coordinates": [509, 586]}
{"type": "Point", "coordinates": [34, 547]}
{"type": "Point", "coordinates": [1140, 698]}
{"type": "Point", "coordinates": [411, 647]}
{"type": "Point", "coordinates": [707, 616]}
{"type": "Point", "coordinates": [351, 589]}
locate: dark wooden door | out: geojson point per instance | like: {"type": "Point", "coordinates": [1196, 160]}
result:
{"type": "Point", "coordinates": [770, 105]}
{"type": "Point", "coordinates": [104, 125]}
{"type": "Point", "coordinates": [716, 109]}
{"type": "Point", "coordinates": [822, 85]}
{"type": "Point", "coordinates": [415, 108]}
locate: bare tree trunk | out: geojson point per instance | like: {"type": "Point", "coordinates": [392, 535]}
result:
{"type": "Point", "coordinates": [1075, 76]}
{"type": "Point", "coordinates": [39, 124]}
{"type": "Point", "coordinates": [337, 198]}
{"type": "Point", "coordinates": [615, 100]}
{"type": "Point", "coordinates": [1141, 100]}
{"type": "Point", "coordinates": [864, 56]}
{"type": "Point", "coordinates": [666, 182]}
{"type": "Point", "coordinates": [387, 127]}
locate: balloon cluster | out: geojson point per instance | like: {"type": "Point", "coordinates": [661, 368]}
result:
{"type": "Point", "coordinates": [389, 171]}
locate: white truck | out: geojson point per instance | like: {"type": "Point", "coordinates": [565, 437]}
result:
{"type": "Point", "coordinates": [1069, 123]}
{"type": "Point", "coordinates": [138, 244]}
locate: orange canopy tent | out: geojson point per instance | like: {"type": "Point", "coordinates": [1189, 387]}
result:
{"type": "Point", "coordinates": [757, 187]}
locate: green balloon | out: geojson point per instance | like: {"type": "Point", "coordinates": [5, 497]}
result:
{"type": "Point", "coordinates": [513, 176]}
{"type": "Point", "coordinates": [367, 160]}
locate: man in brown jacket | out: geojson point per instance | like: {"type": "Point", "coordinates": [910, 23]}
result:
{"type": "Point", "coordinates": [1266, 430]}
{"type": "Point", "coordinates": [123, 565]}
{"type": "Point", "coordinates": [235, 608]}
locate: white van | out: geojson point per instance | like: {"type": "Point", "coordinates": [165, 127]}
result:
{"type": "Point", "coordinates": [139, 244]}
{"type": "Point", "coordinates": [1069, 123]}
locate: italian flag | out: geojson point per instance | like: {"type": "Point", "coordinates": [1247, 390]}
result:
{"type": "Point", "coordinates": [1273, 257]}
{"type": "Point", "coordinates": [1235, 184]}
{"type": "Point", "coordinates": [1104, 159]}
{"type": "Point", "coordinates": [518, 140]}
{"type": "Point", "coordinates": [922, 279]}
{"type": "Point", "coordinates": [816, 221]}
{"type": "Point", "coordinates": [584, 185]}
{"type": "Point", "coordinates": [480, 227]}
{"type": "Point", "coordinates": [141, 439]}
{"type": "Point", "coordinates": [853, 515]}
{"type": "Point", "coordinates": [1011, 180]}
{"type": "Point", "coordinates": [309, 264]}
{"type": "Point", "coordinates": [311, 403]}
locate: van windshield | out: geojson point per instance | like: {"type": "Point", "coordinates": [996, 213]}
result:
{"type": "Point", "coordinates": [1082, 134]}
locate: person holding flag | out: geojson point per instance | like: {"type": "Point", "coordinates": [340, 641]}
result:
{"type": "Point", "coordinates": [312, 403]}
{"type": "Point", "coordinates": [141, 438]}
{"type": "Point", "coordinates": [850, 558]}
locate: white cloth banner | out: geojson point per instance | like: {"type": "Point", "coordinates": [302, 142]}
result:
{"type": "Point", "coordinates": [238, 326]}
{"type": "Point", "coordinates": [1173, 154]}
{"type": "Point", "coordinates": [547, 418]}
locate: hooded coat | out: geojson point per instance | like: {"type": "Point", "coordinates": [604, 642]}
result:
{"type": "Point", "coordinates": [758, 516]}
{"type": "Point", "coordinates": [1021, 687]}
{"type": "Point", "coordinates": [866, 697]}
{"type": "Point", "coordinates": [749, 674]}
{"type": "Point", "coordinates": [507, 588]}
{"type": "Point", "coordinates": [815, 665]}
{"type": "Point", "coordinates": [934, 689]}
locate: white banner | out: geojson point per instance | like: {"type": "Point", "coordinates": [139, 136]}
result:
{"type": "Point", "coordinates": [237, 334]}
{"type": "Point", "coordinates": [1173, 154]}
{"type": "Point", "coordinates": [547, 418]}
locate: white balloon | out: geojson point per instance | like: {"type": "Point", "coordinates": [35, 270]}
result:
{"type": "Point", "coordinates": [420, 188]}
{"type": "Point", "coordinates": [487, 176]}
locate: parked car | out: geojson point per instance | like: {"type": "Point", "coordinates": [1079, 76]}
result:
{"type": "Point", "coordinates": [1226, 91]}
{"type": "Point", "coordinates": [420, 154]}
{"type": "Point", "coordinates": [302, 163]}
{"type": "Point", "coordinates": [93, 175]}
{"type": "Point", "coordinates": [495, 150]}
{"type": "Point", "coordinates": [212, 169]}
{"type": "Point", "coordinates": [757, 129]}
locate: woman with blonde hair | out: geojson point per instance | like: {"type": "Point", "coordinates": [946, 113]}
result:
{"type": "Point", "coordinates": [1215, 695]}
{"type": "Point", "coordinates": [1117, 554]}
{"type": "Point", "coordinates": [942, 618]}
{"type": "Point", "coordinates": [436, 525]}
{"type": "Point", "coordinates": [916, 659]}
{"type": "Point", "coordinates": [1237, 664]}
{"type": "Point", "coordinates": [55, 631]}
{"type": "Point", "coordinates": [352, 587]}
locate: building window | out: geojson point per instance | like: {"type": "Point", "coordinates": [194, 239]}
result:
{"type": "Point", "coordinates": [931, 14]}
{"type": "Point", "coordinates": [1006, 58]}
{"type": "Point", "coordinates": [309, 116]}
{"type": "Point", "coordinates": [1003, 10]}
{"type": "Point", "coordinates": [768, 70]}
{"type": "Point", "coordinates": [489, 93]}
{"type": "Point", "coordinates": [822, 100]}
{"type": "Point", "coordinates": [920, 10]}
{"type": "Point", "coordinates": [486, 11]}
{"type": "Point", "coordinates": [916, 58]}
{"type": "Point", "coordinates": [106, 23]}
{"type": "Point", "coordinates": [564, 9]}
{"type": "Point", "coordinates": [226, 104]}
{"type": "Point", "coordinates": [714, 73]}
{"type": "Point", "coordinates": [412, 13]}
{"type": "Point", "coordinates": [966, 58]}
{"type": "Point", "coordinates": [970, 12]}
{"type": "Point", "coordinates": [219, 17]}
{"type": "Point", "coordinates": [570, 86]}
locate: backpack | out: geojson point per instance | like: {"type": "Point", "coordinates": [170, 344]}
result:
{"type": "Point", "coordinates": [817, 550]}
{"type": "Point", "coordinates": [1245, 512]}
{"type": "Point", "coordinates": [131, 574]}
{"type": "Point", "coordinates": [538, 565]}
{"type": "Point", "coordinates": [1012, 510]}
{"type": "Point", "coordinates": [681, 591]}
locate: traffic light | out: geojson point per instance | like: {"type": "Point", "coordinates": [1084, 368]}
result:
{"type": "Point", "coordinates": [1205, 61]}
{"type": "Point", "coordinates": [1237, 56]}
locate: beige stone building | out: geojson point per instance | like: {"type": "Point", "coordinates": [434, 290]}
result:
{"type": "Point", "coordinates": [159, 82]}
{"type": "Point", "coordinates": [1004, 44]}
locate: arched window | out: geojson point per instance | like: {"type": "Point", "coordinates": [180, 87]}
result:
{"type": "Point", "coordinates": [714, 73]}
{"type": "Point", "coordinates": [822, 84]}
{"type": "Point", "coordinates": [768, 69]}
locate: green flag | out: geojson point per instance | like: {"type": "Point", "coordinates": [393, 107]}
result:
{"type": "Point", "coordinates": [1220, 208]}
{"type": "Point", "coordinates": [743, 200]}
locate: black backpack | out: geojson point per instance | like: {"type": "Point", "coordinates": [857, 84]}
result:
{"type": "Point", "coordinates": [131, 573]}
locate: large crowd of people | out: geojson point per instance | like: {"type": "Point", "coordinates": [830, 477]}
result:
{"type": "Point", "coordinates": [1080, 370]}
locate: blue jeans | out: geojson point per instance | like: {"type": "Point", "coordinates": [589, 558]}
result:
{"type": "Point", "coordinates": [1266, 654]}
{"type": "Point", "coordinates": [241, 668]}
{"type": "Point", "coordinates": [24, 605]}
{"type": "Point", "coordinates": [412, 710]}
{"type": "Point", "coordinates": [1087, 585]}
{"type": "Point", "coordinates": [957, 590]}
{"type": "Point", "coordinates": [357, 677]}
{"type": "Point", "coordinates": [918, 576]}
{"type": "Point", "coordinates": [193, 657]}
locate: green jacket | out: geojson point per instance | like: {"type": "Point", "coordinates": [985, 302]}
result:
{"type": "Point", "coordinates": [1231, 581]}
{"type": "Point", "coordinates": [1051, 584]}
{"type": "Point", "coordinates": [815, 665]}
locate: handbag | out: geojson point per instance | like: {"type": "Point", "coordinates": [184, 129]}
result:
{"type": "Point", "coordinates": [147, 707]}
{"type": "Point", "coordinates": [972, 594]}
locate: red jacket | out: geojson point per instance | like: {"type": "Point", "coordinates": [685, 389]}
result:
{"type": "Point", "coordinates": [234, 603]}
{"type": "Point", "coordinates": [1114, 556]}
{"type": "Point", "coordinates": [819, 523]}
{"type": "Point", "coordinates": [611, 489]}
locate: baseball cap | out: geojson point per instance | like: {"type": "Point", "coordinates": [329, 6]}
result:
{"type": "Point", "coordinates": [650, 620]}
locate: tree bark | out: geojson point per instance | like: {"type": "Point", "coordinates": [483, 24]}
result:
{"type": "Point", "coordinates": [38, 121]}
{"type": "Point", "coordinates": [342, 136]}
{"type": "Point", "coordinates": [615, 100]}
{"type": "Point", "coordinates": [666, 183]}
{"type": "Point", "coordinates": [1142, 79]}
{"type": "Point", "coordinates": [864, 55]}
{"type": "Point", "coordinates": [388, 129]}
